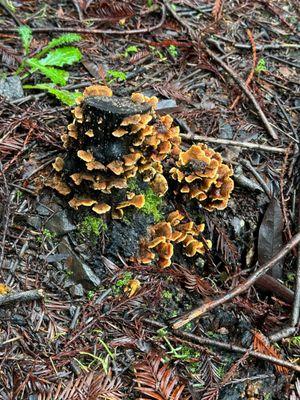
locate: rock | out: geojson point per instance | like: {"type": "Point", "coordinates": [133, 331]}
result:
{"type": "Point", "coordinates": [60, 223]}
{"type": "Point", "coordinates": [34, 221]}
{"type": "Point", "coordinates": [77, 290]}
{"type": "Point", "coordinates": [42, 210]}
{"type": "Point", "coordinates": [225, 130]}
{"type": "Point", "coordinates": [167, 103]}
{"type": "Point", "coordinates": [82, 273]}
{"type": "Point", "coordinates": [11, 88]}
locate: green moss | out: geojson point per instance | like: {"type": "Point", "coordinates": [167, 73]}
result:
{"type": "Point", "coordinates": [91, 227]}
{"type": "Point", "coordinates": [167, 294]}
{"type": "Point", "coordinates": [153, 203]}
{"type": "Point", "coordinates": [118, 287]}
{"type": "Point", "coordinates": [46, 235]}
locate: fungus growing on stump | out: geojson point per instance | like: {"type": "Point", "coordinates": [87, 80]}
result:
{"type": "Point", "coordinates": [113, 140]}
{"type": "Point", "coordinates": [166, 234]}
{"type": "Point", "coordinates": [202, 176]}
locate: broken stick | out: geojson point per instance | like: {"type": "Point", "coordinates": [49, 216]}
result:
{"type": "Point", "coordinates": [205, 307]}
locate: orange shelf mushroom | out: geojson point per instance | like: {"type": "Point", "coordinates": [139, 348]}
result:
{"type": "Point", "coordinates": [166, 234]}
{"type": "Point", "coordinates": [202, 175]}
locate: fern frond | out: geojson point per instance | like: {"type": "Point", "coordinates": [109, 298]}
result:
{"type": "Point", "coordinates": [66, 38]}
{"type": "Point", "coordinates": [156, 380]}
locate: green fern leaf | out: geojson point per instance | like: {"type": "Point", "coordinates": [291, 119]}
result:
{"type": "Point", "coordinates": [26, 36]}
{"type": "Point", "coordinates": [66, 97]}
{"type": "Point", "coordinates": [60, 41]}
{"type": "Point", "coordinates": [57, 76]}
{"type": "Point", "coordinates": [61, 56]}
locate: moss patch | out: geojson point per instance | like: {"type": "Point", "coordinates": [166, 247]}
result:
{"type": "Point", "coordinates": [153, 203]}
{"type": "Point", "coordinates": [91, 227]}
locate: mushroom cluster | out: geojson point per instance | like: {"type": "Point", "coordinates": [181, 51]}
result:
{"type": "Point", "coordinates": [165, 234]}
{"type": "Point", "coordinates": [111, 140]}
{"type": "Point", "coordinates": [201, 175]}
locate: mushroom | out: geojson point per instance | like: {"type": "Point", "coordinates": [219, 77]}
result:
{"type": "Point", "coordinates": [119, 132]}
{"type": "Point", "coordinates": [116, 167]}
{"type": "Point", "coordinates": [76, 202]}
{"type": "Point", "coordinates": [97, 90]}
{"type": "Point", "coordinates": [101, 208]}
{"type": "Point", "coordinates": [138, 98]}
{"type": "Point", "coordinates": [86, 156]}
{"type": "Point", "coordinates": [132, 119]}
{"type": "Point", "coordinates": [137, 201]}
{"type": "Point", "coordinates": [58, 164]}
{"type": "Point", "coordinates": [92, 165]}
{"type": "Point", "coordinates": [159, 185]}
{"type": "Point", "coordinates": [89, 133]}
{"type": "Point", "coordinates": [56, 183]}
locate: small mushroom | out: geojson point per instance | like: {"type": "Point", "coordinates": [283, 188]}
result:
{"type": "Point", "coordinates": [95, 165]}
{"type": "Point", "coordinates": [78, 177]}
{"type": "Point", "coordinates": [85, 155]}
{"type": "Point", "coordinates": [78, 114]}
{"type": "Point", "coordinates": [138, 98]}
{"type": "Point", "coordinates": [97, 90]}
{"type": "Point", "coordinates": [76, 202]}
{"type": "Point", "coordinates": [89, 133]}
{"type": "Point", "coordinates": [137, 201]}
{"type": "Point", "coordinates": [159, 185]}
{"type": "Point", "coordinates": [72, 131]}
{"type": "Point", "coordinates": [132, 119]}
{"type": "Point", "coordinates": [175, 217]}
{"type": "Point", "coordinates": [131, 159]}
{"type": "Point", "coordinates": [56, 183]}
{"type": "Point", "coordinates": [119, 132]}
{"type": "Point", "coordinates": [101, 208]}
{"type": "Point", "coordinates": [58, 164]}
{"type": "Point", "coordinates": [116, 167]}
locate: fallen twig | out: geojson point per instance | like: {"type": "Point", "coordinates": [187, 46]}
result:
{"type": "Point", "coordinates": [230, 71]}
{"type": "Point", "coordinates": [245, 89]}
{"type": "Point", "coordinates": [205, 307]}
{"type": "Point", "coordinates": [228, 142]}
{"type": "Point", "coordinates": [94, 31]}
{"type": "Point", "coordinates": [28, 295]}
{"type": "Point", "coordinates": [259, 179]}
{"type": "Point", "coordinates": [7, 9]}
{"type": "Point", "coordinates": [283, 333]}
{"type": "Point", "coordinates": [226, 346]}
{"type": "Point", "coordinates": [296, 306]}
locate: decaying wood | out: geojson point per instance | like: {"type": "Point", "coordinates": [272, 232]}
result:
{"type": "Point", "coordinates": [29, 295]}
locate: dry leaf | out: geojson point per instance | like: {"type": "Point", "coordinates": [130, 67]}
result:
{"type": "Point", "coordinates": [270, 236]}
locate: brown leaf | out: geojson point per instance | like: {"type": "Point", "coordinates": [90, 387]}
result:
{"type": "Point", "coordinates": [270, 236]}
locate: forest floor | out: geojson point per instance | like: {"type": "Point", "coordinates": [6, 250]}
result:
{"type": "Point", "coordinates": [72, 324]}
